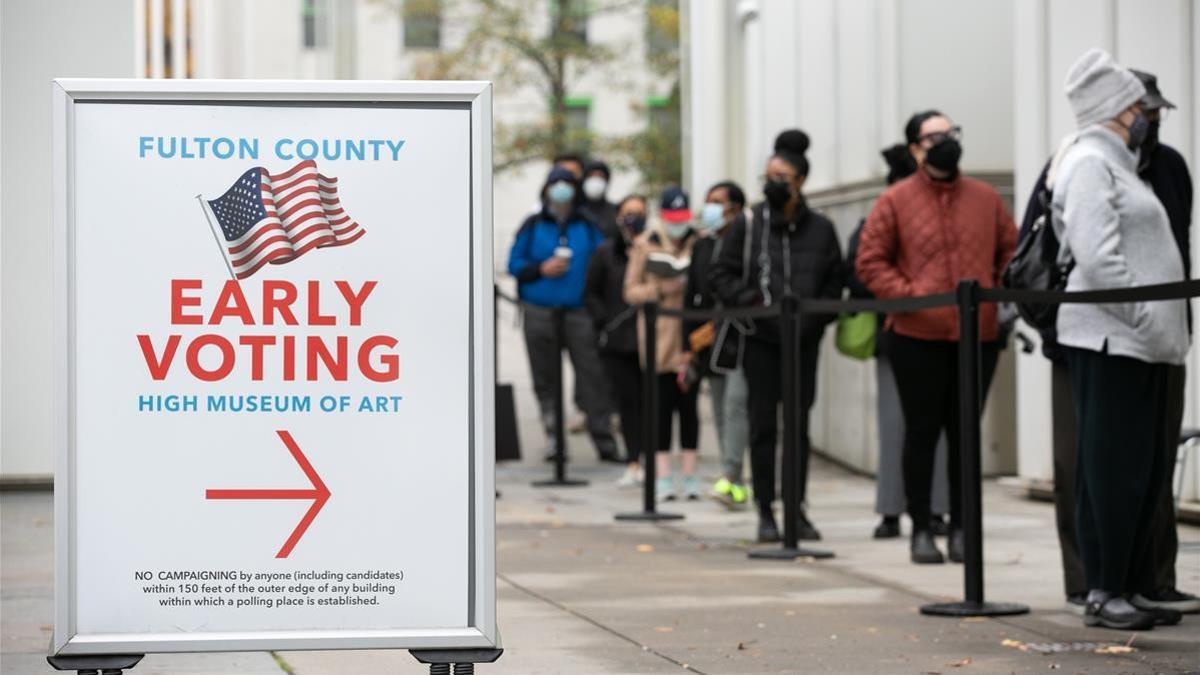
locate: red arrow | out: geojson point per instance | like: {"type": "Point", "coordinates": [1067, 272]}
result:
{"type": "Point", "coordinates": [319, 494]}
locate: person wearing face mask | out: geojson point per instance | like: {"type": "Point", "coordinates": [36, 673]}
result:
{"type": "Point", "coordinates": [889, 476]}
{"type": "Point", "coordinates": [1167, 174]}
{"type": "Point", "coordinates": [724, 206]}
{"type": "Point", "coordinates": [616, 329]}
{"type": "Point", "coordinates": [657, 272]}
{"type": "Point", "coordinates": [924, 235]}
{"type": "Point", "coordinates": [549, 259]}
{"type": "Point", "coordinates": [793, 250]}
{"type": "Point", "coordinates": [1120, 356]}
{"type": "Point", "coordinates": [596, 177]}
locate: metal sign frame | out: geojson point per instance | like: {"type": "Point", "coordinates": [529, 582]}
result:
{"type": "Point", "coordinates": [481, 630]}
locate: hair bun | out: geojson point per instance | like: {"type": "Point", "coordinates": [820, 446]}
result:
{"type": "Point", "coordinates": [792, 141]}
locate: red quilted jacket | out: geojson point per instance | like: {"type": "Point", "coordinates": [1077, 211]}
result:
{"type": "Point", "coordinates": [924, 236]}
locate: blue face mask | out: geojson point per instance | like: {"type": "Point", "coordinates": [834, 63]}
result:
{"type": "Point", "coordinates": [713, 216]}
{"type": "Point", "coordinates": [561, 192]}
{"type": "Point", "coordinates": [678, 230]}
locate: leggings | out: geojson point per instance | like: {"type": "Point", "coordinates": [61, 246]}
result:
{"type": "Point", "coordinates": [671, 400]}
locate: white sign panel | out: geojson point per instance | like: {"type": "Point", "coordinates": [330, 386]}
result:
{"type": "Point", "coordinates": [275, 386]}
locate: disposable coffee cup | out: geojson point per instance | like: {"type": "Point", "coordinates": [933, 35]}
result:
{"type": "Point", "coordinates": [564, 252]}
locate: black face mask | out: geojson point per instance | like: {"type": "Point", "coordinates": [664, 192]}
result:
{"type": "Point", "coordinates": [1139, 131]}
{"type": "Point", "coordinates": [944, 156]}
{"type": "Point", "coordinates": [1149, 146]}
{"type": "Point", "coordinates": [634, 224]}
{"type": "Point", "coordinates": [778, 193]}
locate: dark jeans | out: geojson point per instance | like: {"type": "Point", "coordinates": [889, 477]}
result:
{"type": "Point", "coordinates": [543, 344]}
{"type": "Point", "coordinates": [1120, 404]}
{"type": "Point", "coordinates": [764, 369]}
{"type": "Point", "coordinates": [670, 402]}
{"type": "Point", "coordinates": [927, 379]}
{"type": "Point", "coordinates": [1165, 536]}
{"type": "Point", "coordinates": [625, 377]}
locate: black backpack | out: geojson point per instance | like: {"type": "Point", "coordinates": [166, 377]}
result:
{"type": "Point", "coordinates": [1037, 264]}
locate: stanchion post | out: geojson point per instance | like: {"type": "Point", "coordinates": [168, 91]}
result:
{"type": "Point", "coordinates": [793, 470]}
{"type": "Point", "coordinates": [649, 422]}
{"type": "Point", "coordinates": [560, 435]}
{"type": "Point", "coordinates": [970, 437]}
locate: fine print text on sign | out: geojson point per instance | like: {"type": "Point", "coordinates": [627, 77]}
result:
{"type": "Point", "coordinates": [277, 390]}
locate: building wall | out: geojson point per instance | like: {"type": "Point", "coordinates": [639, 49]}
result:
{"type": "Point", "coordinates": [39, 41]}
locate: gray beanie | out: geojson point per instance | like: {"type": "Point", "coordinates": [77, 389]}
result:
{"type": "Point", "coordinates": [1100, 88]}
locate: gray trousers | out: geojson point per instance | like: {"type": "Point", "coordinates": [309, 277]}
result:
{"type": "Point", "coordinates": [889, 478]}
{"type": "Point", "coordinates": [731, 413]}
{"type": "Point", "coordinates": [592, 394]}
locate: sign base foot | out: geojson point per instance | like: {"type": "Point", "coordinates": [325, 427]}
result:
{"type": "Point", "coordinates": [463, 660]}
{"type": "Point", "coordinates": [100, 664]}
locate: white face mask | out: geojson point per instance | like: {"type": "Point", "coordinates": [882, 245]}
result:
{"type": "Point", "coordinates": [594, 187]}
{"type": "Point", "coordinates": [678, 230]}
{"type": "Point", "coordinates": [713, 216]}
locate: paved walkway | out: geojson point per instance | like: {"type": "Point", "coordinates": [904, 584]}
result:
{"type": "Point", "coordinates": [580, 593]}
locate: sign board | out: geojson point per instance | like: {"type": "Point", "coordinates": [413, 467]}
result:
{"type": "Point", "coordinates": [274, 388]}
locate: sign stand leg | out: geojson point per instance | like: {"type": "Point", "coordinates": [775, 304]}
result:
{"type": "Point", "coordinates": [101, 664]}
{"type": "Point", "coordinates": [463, 660]}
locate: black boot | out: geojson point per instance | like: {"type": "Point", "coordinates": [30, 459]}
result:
{"type": "Point", "coordinates": [806, 531]}
{"type": "Point", "coordinates": [955, 545]}
{"type": "Point", "coordinates": [768, 532]}
{"type": "Point", "coordinates": [939, 526]}
{"type": "Point", "coordinates": [888, 528]}
{"type": "Point", "coordinates": [923, 550]}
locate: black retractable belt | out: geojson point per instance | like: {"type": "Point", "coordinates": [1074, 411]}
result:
{"type": "Point", "coordinates": [649, 511]}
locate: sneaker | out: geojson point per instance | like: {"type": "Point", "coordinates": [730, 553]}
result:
{"type": "Point", "coordinates": [631, 478]}
{"type": "Point", "coordinates": [1112, 611]}
{"type": "Point", "coordinates": [691, 488]}
{"type": "Point", "coordinates": [721, 489]}
{"type": "Point", "coordinates": [1167, 598]}
{"type": "Point", "coordinates": [665, 489]}
{"type": "Point", "coordinates": [938, 526]}
{"type": "Point", "coordinates": [1077, 603]}
{"type": "Point", "coordinates": [888, 528]}
{"type": "Point", "coordinates": [922, 549]}
{"type": "Point", "coordinates": [739, 495]}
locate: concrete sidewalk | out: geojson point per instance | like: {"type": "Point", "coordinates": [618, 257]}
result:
{"type": "Point", "coordinates": [580, 593]}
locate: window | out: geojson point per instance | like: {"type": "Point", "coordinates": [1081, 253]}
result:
{"type": "Point", "coordinates": [662, 27]}
{"type": "Point", "coordinates": [579, 112]}
{"type": "Point", "coordinates": [663, 117]}
{"type": "Point", "coordinates": [313, 22]}
{"type": "Point", "coordinates": [422, 22]}
{"type": "Point", "coordinates": [575, 18]}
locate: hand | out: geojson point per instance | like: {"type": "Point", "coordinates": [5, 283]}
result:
{"type": "Point", "coordinates": [554, 267]}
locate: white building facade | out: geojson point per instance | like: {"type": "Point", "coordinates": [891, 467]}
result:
{"type": "Point", "coordinates": [850, 72]}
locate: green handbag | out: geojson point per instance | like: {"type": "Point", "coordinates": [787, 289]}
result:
{"type": "Point", "coordinates": [856, 335]}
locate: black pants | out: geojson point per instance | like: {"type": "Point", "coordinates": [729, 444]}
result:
{"type": "Point", "coordinates": [1066, 457]}
{"type": "Point", "coordinates": [763, 364]}
{"type": "Point", "coordinates": [670, 402]}
{"type": "Point", "coordinates": [1120, 403]}
{"type": "Point", "coordinates": [927, 379]}
{"type": "Point", "coordinates": [1165, 537]}
{"type": "Point", "coordinates": [625, 377]}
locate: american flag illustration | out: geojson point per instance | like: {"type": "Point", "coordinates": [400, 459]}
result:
{"type": "Point", "coordinates": [275, 218]}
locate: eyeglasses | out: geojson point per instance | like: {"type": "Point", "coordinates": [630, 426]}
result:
{"type": "Point", "coordinates": [936, 137]}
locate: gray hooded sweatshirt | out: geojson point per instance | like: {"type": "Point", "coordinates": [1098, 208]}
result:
{"type": "Point", "coordinates": [1117, 231]}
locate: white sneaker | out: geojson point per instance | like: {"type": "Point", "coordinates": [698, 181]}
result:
{"type": "Point", "coordinates": [631, 478]}
{"type": "Point", "coordinates": [664, 489]}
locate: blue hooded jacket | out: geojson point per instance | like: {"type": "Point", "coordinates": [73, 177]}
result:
{"type": "Point", "coordinates": [535, 243]}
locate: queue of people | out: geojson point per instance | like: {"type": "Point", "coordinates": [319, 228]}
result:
{"type": "Point", "coordinates": [1119, 201]}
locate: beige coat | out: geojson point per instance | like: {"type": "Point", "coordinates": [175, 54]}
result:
{"type": "Point", "coordinates": [642, 286]}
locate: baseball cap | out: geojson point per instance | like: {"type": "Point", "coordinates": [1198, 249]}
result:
{"type": "Point", "coordinates": [674, 205]}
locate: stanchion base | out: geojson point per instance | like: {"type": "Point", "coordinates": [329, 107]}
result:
{"type": "Point", "coordinates": [968, 608]}
{"type": "Point", "coordinates": [554, 482]}
{"type": "Point", "coordinates": [648, 516]}
{"type": "Point", "coordinates": [785, 553]}
{"type": "Point", "coordinates": [106, 663]}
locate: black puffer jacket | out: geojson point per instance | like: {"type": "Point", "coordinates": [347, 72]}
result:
{"type": "Point", "coordinates": [804, 255]}
{"type": "Point", "coordinates": [603, 295]}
